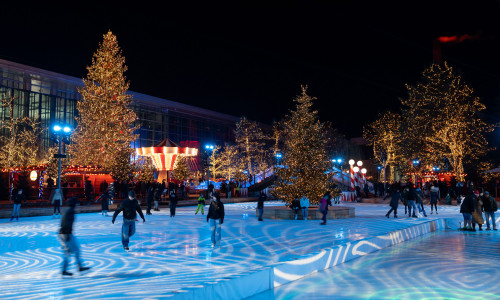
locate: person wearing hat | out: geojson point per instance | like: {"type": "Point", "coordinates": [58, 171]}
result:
{"type": "Point", "coordinates": [216, 217]}
{"type": "Point", "coordinates": [129, 206]}
{"type": "Point", "coordinates": [490, 207]}
{"type": "Point", "coordinates": [68, 240]}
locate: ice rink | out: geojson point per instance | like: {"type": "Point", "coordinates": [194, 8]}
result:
{"type": "Point", "coordinates": [171, 255]}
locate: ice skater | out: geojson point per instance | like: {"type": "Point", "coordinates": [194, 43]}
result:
{"type": "Point", "coordinates": [129, 206]}
{"type": "Point", "coordinates": [68, 240]}
{"type": "Point", "coordinates": [18, 199]}
{"type": "Point", "coordinates": [56, 199]}
{"type": "Point", "coordinates": [260, 204]}
{"type": "Point", "coordinates": [216, 217]}
{"type": "Point", "coordinates": [435, 196]}
{"type": "Point", "coordinates": [295, 206]}
{"type": "Point", "coordinates": [395, 198]}
{"type": "Point", "coordinates": [304, 204]}
{"type": "Point", "coordinates": [104, 203]}
{"type": "Point", "coordinates": [323, 208]}
{"type": "Point", "coordinates": [201, 204]}
{"type": "Point", "coordinates": [172, 203]}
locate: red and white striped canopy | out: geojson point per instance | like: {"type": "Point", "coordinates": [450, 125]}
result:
{"type": "Point", "coordinates": [165, 153]}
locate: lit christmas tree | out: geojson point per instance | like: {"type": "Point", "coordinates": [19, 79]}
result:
{"type": "Point", "coordinates": [305, 158]}
{"type": "Point", "coordinates": [442, 119]}
{"type": "Point", "coordinates": [105, 119]}
{"type": "Point", "coordinates": [120, 166]}
{"type": "Point", "coordinates": [181, 171]}
{"type": "Point", "coordinates": [146, 169]}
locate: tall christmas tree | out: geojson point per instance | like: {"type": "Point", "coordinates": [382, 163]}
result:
{"type": "Point", "coordinates": [305, 160]}
{"type": "Point", "coordinates": [105, 119]}
{"type": "Point", "coordinates": [181, 168]}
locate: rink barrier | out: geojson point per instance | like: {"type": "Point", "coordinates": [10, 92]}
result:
{"type": "Point", "coordinates": [261, 279]}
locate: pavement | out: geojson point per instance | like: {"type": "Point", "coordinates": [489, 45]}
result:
{"type": "Point", "coordinates": [171, 257]}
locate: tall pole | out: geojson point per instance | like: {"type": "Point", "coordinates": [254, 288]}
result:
{"type": "Point", "coordinates": [208, 176]}
{"type": "Point", "coordinates": [59, 170]}
{"type": "Point", "coordinates": [385, 182]}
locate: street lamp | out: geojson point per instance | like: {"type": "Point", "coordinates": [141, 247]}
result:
{"type": "Point", "coordinates": [209, 148]}
{"type": "Point", "coordinates": [339, 162]}
{"type": "Point", "coordinates": [416, 162]}
{"type": "Point", "coordinates": [359, 163]}
{"type": "Point", "coordinates": [363, 171]}
{"type": "Point", "coordinates": [278, 157]}
{"type": "Point", "coordinates": [60, 131]}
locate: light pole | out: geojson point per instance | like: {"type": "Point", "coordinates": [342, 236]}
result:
{"type": "Point", "coordinates": [209, 149]}
{"type": "Point", "coordinates": [339, 162]}
{"type": "Point", "coordinates": [278, 157]}
{"type": "Point", "coordinates": [351, 164]}
{"type": "Point", "coordinates": [60, 131]}
{"type": "Point", "coordinates": [416, 162]}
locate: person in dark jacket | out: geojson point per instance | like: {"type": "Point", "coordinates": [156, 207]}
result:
{"type": "Point", "coordinates": [435, 196]}
{"type": "Point", "coordinates": [68, 240]}
{"type": "Point", "coordinates": [466, 209]}
{"type": "Point", "coordinates": [104, 203]}
{"type": "Point", "coordinates": [325, 200]}
{"type": "Point", "coordinates": [412, 196]}
{"type": "Point", "coordinates": [149, 198]}
{"type": "Point", "coordinates": [129, 207]}
{"type": "Point", "coordinates": [295, 206]}
{"type": "Point", "coordinates": [216, 218]}
{"type": "Point", "coordinates": [260, 204]}
{"type": "Point", "coordinates": [173, 202]}
{"type": "Point", "coordinates": [18, 199]}
{"type": "Point", "coordinates": [395, 198]}
{"type": "Point", "coordinates": [490, 207]}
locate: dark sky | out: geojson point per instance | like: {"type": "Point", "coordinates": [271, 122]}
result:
{"type": "Point", "coordinates": [250, 58]}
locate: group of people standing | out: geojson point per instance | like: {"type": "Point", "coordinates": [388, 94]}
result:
{"type": "Point", "coordinates": [413, 199]}
{"type": "Point", "coordinates": [472, 208]}
{"type": "Point", "coordinates": [303, 205]}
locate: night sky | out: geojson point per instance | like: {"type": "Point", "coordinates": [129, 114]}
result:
{"type": "Point", "coordinates": [250, 58]}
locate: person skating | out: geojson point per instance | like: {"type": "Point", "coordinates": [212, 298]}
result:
{"type": "Point", "coordinates": [260, 204]}
{"type": "Point", "coordinates": [130, 208]}
{"type": "Point", "coordinates": [173, 203]}
{"type": "Point", "coordinates": [304, 204]}
{"type": "Point", "coordinates": [466, 209]}
{"type": "Point", "coordinates": [490, 207]}
{"type": "Point", "coordinates": [18, 199]}
{"type": "Point", "coordinates": [412, 196]}
{"type": "Point", "coordinates": [104, 198]}
{"type": "Point", "coordinates": [68, 240]}
{"type": "Point", "coordinates": [395, 198]}
{"type": "Point", "coordinates": [215, 217]}
{"type": "Point", "coordinates": [149, 199]}
{"type": "Point", "coordinates": [477, 215]}
{"type": "Point", "coordinates": [435, 196]}
{"type": "Point", "coordinates": [157, 195]}
{"type": "Point", "coordinates": [201, 204]}
{"type": "Point", "coordinates": [420, 201]}
{"type": "Point", "coordinates": [323, 208]}
{"type": "Point", "coordinates": [295, 206]}
{"type": "Point", "coordinates": [56, 199]}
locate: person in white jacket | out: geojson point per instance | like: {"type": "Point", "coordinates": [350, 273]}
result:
{"type": "Point", "coordinates": [56, 199]}
{"type": "Point", "coordinates": [304, 204]}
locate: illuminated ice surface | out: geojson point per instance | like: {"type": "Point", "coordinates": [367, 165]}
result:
{"type": "Point", "coordinates": [168, 254]}
{"type": "Point", "coordinates": [442, 265]}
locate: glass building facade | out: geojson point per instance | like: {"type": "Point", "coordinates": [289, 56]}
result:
{"type": "Point", "coordinates": [51, 98]}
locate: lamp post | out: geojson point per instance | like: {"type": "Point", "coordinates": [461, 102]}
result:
{"type": "Point", "coordinates": [278, 157]}
{"type": "Point", "coordinates": [339, 162]}
{"type": "Point", "coordinates": [351, 164]}
{"type": "Point", "coordinates": [416, 162]}
{"type": "Point", "coordinates": [60, 131]}
{"type": "Point", "coordinates": [363, 172]}
{"type": "Point", "coordinates": [209, 149]}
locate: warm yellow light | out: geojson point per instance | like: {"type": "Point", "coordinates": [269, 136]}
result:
{"type": "Point", "coordinates": [33, 175]}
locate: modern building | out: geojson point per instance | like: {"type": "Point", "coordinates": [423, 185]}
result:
{"type": "Point", "coordinates": [51, 98]}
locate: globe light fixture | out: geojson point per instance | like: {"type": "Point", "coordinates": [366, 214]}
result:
{"type": "Point", "coordinates": [351, 162]}
{"type": "Point", "coordinates": [359, 163]}
{"type": "Point", "coordinates": [356, 169]}
{"type": "Point", "coordinates": [363, 171]}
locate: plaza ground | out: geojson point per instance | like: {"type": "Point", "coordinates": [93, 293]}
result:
{"type": "Point", "coordinates": [172, 257]}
